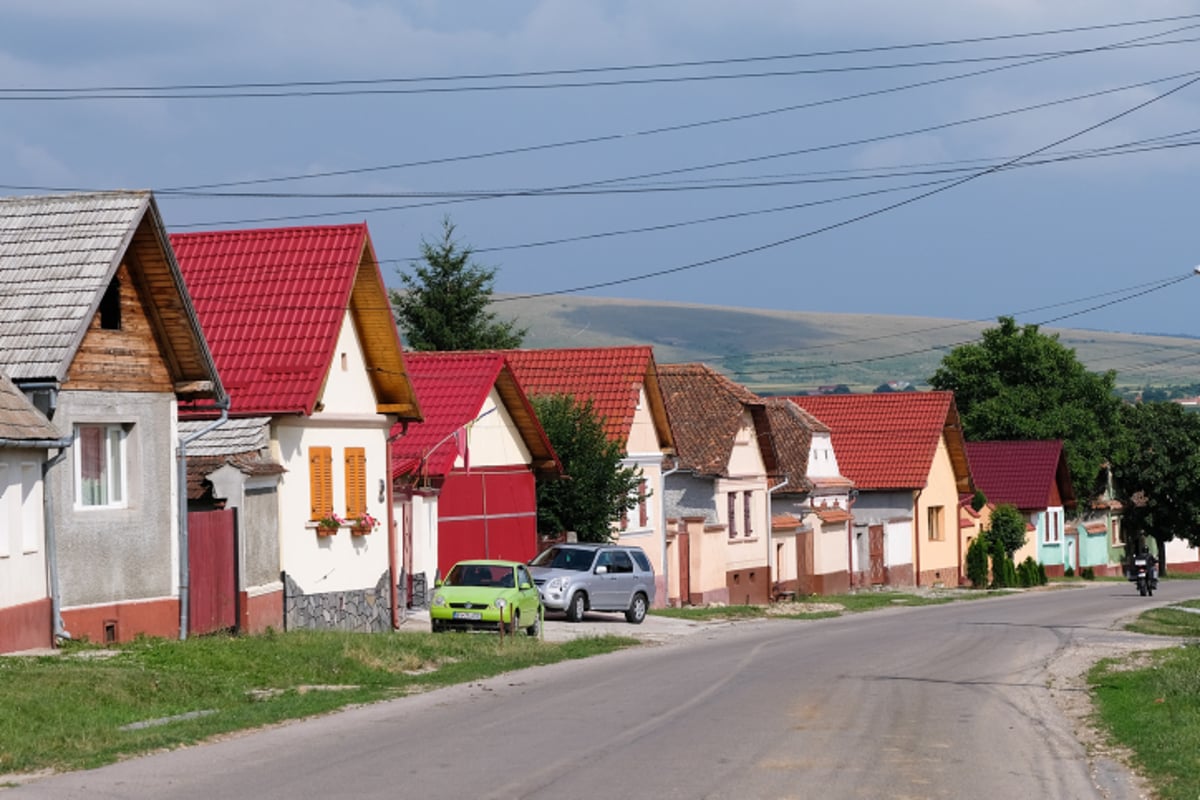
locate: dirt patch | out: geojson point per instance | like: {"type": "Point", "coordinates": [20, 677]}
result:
{"type": "Point", "coordinates": [790, 609]}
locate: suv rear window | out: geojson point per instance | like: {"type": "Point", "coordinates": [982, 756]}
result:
{"type": "Point", "coordinates": [574, 558]}
{"type": "Point", "coordinates": [640, 557]}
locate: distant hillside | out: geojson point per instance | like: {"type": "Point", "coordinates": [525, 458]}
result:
{"type": "Point", "coordinates": [776, 352]}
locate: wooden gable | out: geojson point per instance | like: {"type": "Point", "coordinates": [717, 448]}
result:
{"type": "Point", "coordinates": [119, 351]}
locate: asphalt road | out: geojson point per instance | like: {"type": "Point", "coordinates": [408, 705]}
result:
{"type": "Point", "coordinates": [960, 700]}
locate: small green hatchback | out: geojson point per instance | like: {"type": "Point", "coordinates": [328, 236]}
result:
{"type": "Point", "coordinates": [484, 595]}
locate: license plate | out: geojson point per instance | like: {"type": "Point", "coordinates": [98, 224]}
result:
{"type": "Point", "coordinates": [468, 615]}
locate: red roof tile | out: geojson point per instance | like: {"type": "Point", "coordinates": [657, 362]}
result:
{"type": "Point", "coordinates": [1022, 474]}
{"type": "Point", "coordinates": [610, 377]}
{"type": "Point", "coordinates": [271, 303]}
{"type": "Point", "coordinates": [451, 388]}
{"type": "Point", "coordinates": [885, 440]}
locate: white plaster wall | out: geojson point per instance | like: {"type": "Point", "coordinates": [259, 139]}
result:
{"type": "Point", "coordinates": [493, 439]}
{"type": "Point", "coordinates": [822, 462]}
{"type": "Point", "coordinates": [897, 542]}
{"type": "Point", "coordinates": [22, 533]}
{"type": "Point", "coordinates": [347, 388]}
{"type": "Point", "coordinates": [424, 534]}
{"type": "Point", "coordinates": [642, 436]}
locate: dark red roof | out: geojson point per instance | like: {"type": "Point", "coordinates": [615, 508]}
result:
{"type": "Point", "coordinates": [706, 413]}
{"type": "Point", "coordinates": [451, 388]}
{"type": "Point", "coordinates": [610, 377]}
{"type": "Point", "coordinates": [1023, 474]}
{"type": "Point", "coordinates": [271, 303]}
{"type": "Point", "coordinates": [885, 440]}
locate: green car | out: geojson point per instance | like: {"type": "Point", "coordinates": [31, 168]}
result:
{"type": "Point", "coordinates": [483, 595]}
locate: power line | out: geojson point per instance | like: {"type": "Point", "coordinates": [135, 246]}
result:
{"type": "Point", "coordinates": [309, 88]}
{"type": "Point", "coordinates": [866, 215]}
{"type": "Point", "coordinates": [686, 126]}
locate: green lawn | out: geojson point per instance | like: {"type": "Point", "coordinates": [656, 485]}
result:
{"type": "Point", "coordinates": [88, 706]}
{"type": "Point", "coordinates": [1151, 703]}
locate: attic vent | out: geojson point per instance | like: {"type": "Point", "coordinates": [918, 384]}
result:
{"type": "Point", "coordinates": [110, 307]}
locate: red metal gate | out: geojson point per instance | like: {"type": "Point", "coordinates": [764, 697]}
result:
{"type": "Point", "coordinates": [212, 572]}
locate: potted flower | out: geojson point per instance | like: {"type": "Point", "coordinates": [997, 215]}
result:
{"type": "Point", "coordinates": [364, 524]}
{"type": "Point", "coordinates": [329, 524]}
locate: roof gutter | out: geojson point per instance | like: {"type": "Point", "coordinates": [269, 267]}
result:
{"type": "Point", "coordinates": [181, 480]}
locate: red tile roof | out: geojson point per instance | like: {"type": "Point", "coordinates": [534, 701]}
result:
{"type": "Point", "coordinates": [452, 388]}
{"type": "Point", "coordinates": [271, 303]}
{"type": "Point", "coordinates": [1022, 474]}
{"type": "Point", "coordinates": [610, 377]}
{"type": "Point", "coordinates": [888, 440]}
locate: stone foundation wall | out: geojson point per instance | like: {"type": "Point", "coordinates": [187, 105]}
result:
{"type": "Point", "coordinates": [364, 610]}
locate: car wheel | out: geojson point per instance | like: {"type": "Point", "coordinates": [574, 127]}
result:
{"type": "Point", "coordinates": [637, 609]}
{"type": "Point", "coordinates": [535, 629]}
{"type": "Point", "coordinates": [576, 607]}
{"type": "Point", "coordinates": [436, 627]}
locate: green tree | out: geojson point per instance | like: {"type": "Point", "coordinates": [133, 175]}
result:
{"type": "Point", "coordinates": [596, 490]}
{"type": "Point", "coordinates": [977, 562]}
{"type": "Point", "coordinates": [445, 300]}
{"type": "Point", "coordinates": [1156, 473]}
{"type": "Point", "coordinates": [1007, 527]}
{"type": "Point", "coordinates": [1019, 383]}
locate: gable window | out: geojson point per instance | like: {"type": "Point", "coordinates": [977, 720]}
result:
{"type": "Point", "coordinates": [1053, 534]}
{"type": "Point", "coordinates": [100, 466]}
{"type": "Point", "coordinates": [356, 482]}
{"type": "Point", "coordinates": [731, 513]}
{"type": "Point", "coordinates": [110, 306]}
{"type": "Point", "coordinates": [936, 528]}
{"type": "Point", "coordinates": [320, 481]}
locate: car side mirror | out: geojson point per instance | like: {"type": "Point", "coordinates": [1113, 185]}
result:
{"type": "Point", "coordinates": [602, 569]}
{"type": "Point", "coordinates": [437, 584]}
{"type": "Point", "coordinates": [526, 585]}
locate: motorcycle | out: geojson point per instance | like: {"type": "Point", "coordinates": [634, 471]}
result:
{"type": "Point", "coordinates": [1143, 575]}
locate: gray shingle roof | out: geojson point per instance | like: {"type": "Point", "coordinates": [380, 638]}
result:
{"type": "Point", "coordinates": [19, 420]}
{"type": "Point", "coordinates": [57, 254]}
{"type": "Point", "coordinates": [235, 435]}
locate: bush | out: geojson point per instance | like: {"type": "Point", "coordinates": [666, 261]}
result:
{"type": "Point", "coordinates": [977, 562]}
{"type": "Point", "coordinates": [1042, 579]}
{"type": "Point", "coordinates": [1069, 572]}
{"type": "Point", "coordinates": [1004, 574]}
{"type": "Point", "coordinates": [1088, 574]}
{"type": "Point", "coordinates": [1029, 573]}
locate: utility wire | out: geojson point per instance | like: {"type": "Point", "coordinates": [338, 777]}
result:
{"type": "Point", "coordinates": [686, 126]}
{"type": "Point", "coordinates": [866, 215]}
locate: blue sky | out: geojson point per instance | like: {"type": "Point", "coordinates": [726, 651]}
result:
{"type": "Point", "coordinates": [784, 182]}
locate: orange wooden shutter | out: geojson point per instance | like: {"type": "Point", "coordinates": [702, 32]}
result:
{"type": "Point", "coordinates": [356, 482]}
{"type": "Point", "coordinates": [320, 480]}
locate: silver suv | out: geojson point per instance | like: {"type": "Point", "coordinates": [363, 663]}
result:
{"type": "Point", "coordinates": [576, 578]}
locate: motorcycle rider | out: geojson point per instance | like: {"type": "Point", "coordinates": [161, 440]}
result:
{"type": "Point", "coordinates": [1151, 566]}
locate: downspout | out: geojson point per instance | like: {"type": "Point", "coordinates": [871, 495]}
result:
{"type": "Point", "coordinates": [917, 537]}
{"type": "Point", "coordinates": [662, 531]}
{"type": "Point", "coordinates": [851, 497]}
{"type": "Point", "coordinates": [771, 572]}
{"type": "Point", "coordinates": [181, 478]}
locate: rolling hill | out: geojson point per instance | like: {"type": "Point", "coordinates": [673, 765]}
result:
{"type": "Point", "coordinates": [779, 352]}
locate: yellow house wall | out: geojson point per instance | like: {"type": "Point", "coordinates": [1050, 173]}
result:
{"type": "Point", "coordinates": [939, 559]}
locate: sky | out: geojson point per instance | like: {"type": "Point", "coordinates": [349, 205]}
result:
{"type": "Point", "coordinates": [962, 159]}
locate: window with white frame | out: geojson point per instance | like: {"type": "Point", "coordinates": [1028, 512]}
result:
{"type": "Point", "coordinates": [100, 466]}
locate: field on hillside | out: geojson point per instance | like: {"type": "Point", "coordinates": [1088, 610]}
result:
{"type": "Point", "coordinates": [780, 352]}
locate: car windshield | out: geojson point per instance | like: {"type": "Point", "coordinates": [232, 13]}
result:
{"type": "Point", "coordinates": [564, 558]}
{"type": "Point", "coordinates": [494, 575]}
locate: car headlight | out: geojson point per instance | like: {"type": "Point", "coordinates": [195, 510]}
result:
{"type": "Point", "coordinates": [438, 599]}
{"type": "Point", "coordinates": [500, 602]}
{"type": "Point", "coordinates": [557, 584]}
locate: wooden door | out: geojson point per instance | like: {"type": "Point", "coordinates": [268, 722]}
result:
{"type": "Point", "coordinates": [212, 571]}
{"type": "Point", "coordinates": [875, 544]}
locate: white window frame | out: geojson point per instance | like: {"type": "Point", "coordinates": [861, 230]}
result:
{"type": "Point", "coordinates": [117, 490]}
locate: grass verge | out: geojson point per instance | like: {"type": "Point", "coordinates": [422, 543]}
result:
{"type": "Point", "coordinates": [88, 706]}
{"type": "Point", "coordinates": [1151, 703]}
{"type": "Point", "coordinates": [820, 607]}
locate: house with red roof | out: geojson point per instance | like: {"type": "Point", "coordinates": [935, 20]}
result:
{"type": "Point", "coordinates": [1033, 477]}
{"type": "Point", "coordinates": [622, 384]}
{"type": "Point", "coordinates": [98, 332]}
{"type": "Point", "coordinates": [810, 507]}
{"type": "Point", "coordinates": [466, 473]}
{"type": "Point", "coordinates": [717, 492]}
{"type": "Point", "coordinates": [906, 455]}
{"type": "Point", "coordinates": [302, 332]}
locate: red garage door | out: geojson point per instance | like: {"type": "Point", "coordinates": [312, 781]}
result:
{"type": "Point", "coordinates": [487, 514]}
